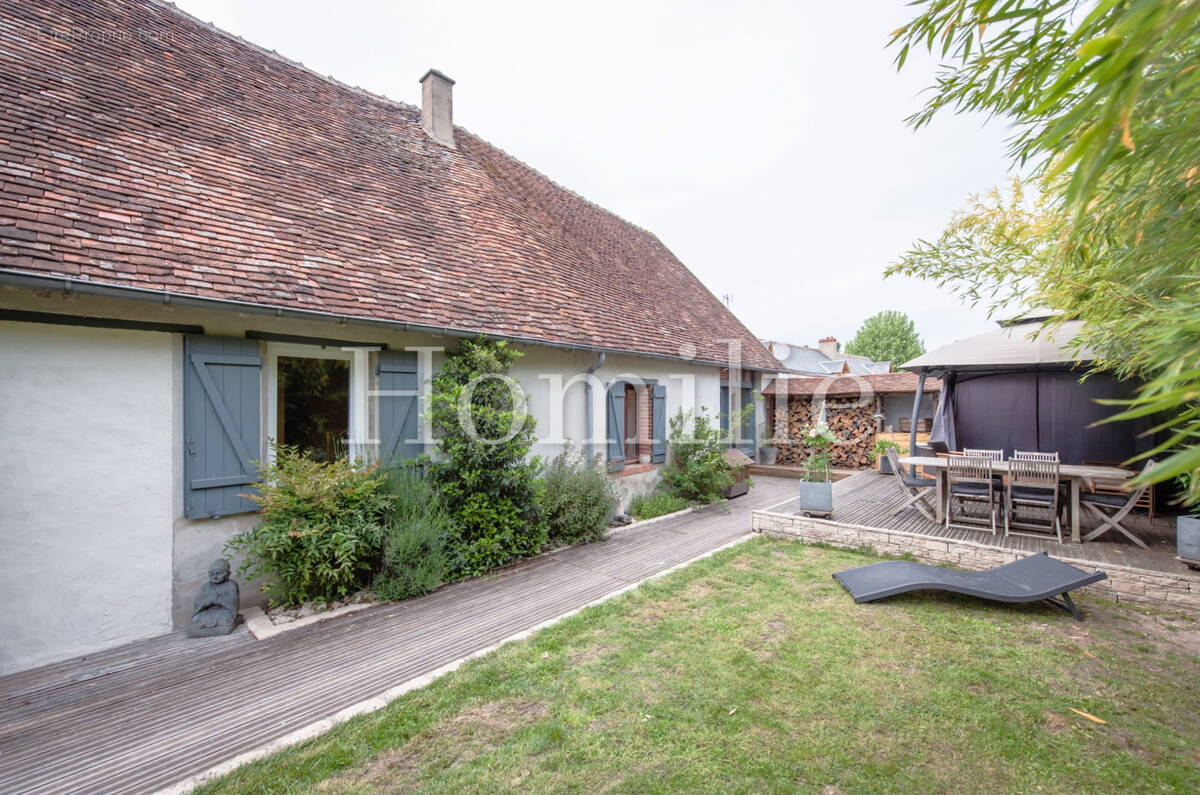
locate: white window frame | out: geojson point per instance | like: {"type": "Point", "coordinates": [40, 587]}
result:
{"type": "Point", "coordinates": [358, 422]}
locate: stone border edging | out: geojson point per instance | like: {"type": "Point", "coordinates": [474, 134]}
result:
{"type": "Point", "coordinates": [262, 627]}
{"type": "Point", "coordinates": [1125, 584]}
{"type": "Point", "coordinates": [643, 522]}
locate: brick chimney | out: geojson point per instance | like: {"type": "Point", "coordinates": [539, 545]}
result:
{"type": "Point", "coordinates": [828, 346]}
{"type": "Point", "coordinates": [437, 107]}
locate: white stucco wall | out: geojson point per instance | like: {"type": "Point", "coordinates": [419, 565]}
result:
{"type": "Point", "coordinates": [541, 370]}
{"type": "Point", "coordinates": [96, 550]}
{"type": "Point", "coordinates": [86, 482]}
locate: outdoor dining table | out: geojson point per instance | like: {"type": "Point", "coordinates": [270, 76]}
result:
{"type": "Point", "coordinates": [1074, 474]}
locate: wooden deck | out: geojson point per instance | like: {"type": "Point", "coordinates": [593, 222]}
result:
{"type": "Point", "coordinates": [153, 713]}
{"type": "Point", "coordinates": [868, 499]}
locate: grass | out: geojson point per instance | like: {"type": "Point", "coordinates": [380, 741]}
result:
{"type": "Point", "coordinates": [754, 671]}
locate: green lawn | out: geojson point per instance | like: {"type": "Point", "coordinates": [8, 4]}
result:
{"type": "Point", "coordinates": [753, 670]}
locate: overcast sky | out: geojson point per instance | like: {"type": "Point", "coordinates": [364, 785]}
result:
{"type": "Point", "coordinates": [763, 142]}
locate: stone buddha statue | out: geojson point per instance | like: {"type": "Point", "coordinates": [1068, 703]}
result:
{"type": "Point", "coordinates": [216, 608]}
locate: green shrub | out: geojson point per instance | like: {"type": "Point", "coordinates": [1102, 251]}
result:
{"type": "Point", "coordinates": [414, 542]}
{"type": "Point", "coordinates": [577, 499]}
{"type": "Point", "coordinates": [321, 529]}
{"type": "Point", "coordinates": [698, 470]}
{"type": "Point", "coordinates": [486, 478]}
{"type": "Point", "coordinates": [656, 503]}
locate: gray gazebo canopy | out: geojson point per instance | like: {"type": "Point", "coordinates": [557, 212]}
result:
{"type": "Point", "coordinates": [1016, 344]}
{"type": "Point", "coordinates": [1022, 387]}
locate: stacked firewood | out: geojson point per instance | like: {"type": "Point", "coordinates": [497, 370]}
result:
{"type": "Point", "coordinates": [851, 423]}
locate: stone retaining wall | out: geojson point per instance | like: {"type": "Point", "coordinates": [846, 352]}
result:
{"type": "Point", "coordinates": [1125, 585]}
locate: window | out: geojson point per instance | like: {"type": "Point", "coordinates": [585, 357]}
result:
{"type": "Point", "coordinates": [732, 401]}
{"type": "Point", "coordinates": [636, 424]}
{"type": "Point", "coordinates": [631, 423]}
{"type": "Point", "coordinates": [317, 399]}
{"type": "Point", "coordinates": [327, 400]}
{"type": "Point", "coordinates": [313, 406]}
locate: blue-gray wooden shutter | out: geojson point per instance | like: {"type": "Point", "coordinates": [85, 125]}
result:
{"type": "Point", "coordinates": [723, 413]}
{"type": "Point", "coordinates": [615, 426]}
{"type": "Point", "coordinates": [658, 424]}
{"type": "Point", "coordinates": [398, 406]}
{"type": "Point", "coordinates": [222, 411]}
{"type": "Point", "coordinates": [746, 442]}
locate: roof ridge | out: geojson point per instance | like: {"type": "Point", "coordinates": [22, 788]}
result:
{"type": "Point", "coordinates": [275, 54]}
{"type": "Point", "coordinates": [442, 223]}
{"type": "Point", "coordinates": [278, 56]}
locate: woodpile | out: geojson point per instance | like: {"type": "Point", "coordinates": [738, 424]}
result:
{"type": "Point", "coordinates": [851, 422]}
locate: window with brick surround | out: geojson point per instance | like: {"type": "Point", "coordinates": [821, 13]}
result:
{"type": "Point", "coordinates": [645, 421]}
{"type": "Point", "coordinates": [636, 421]}
{"type": "Point", "coordinates": [631, 423]}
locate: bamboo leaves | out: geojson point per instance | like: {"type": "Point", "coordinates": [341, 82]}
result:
{"type": "Point", "coordinates": [1104, 101]}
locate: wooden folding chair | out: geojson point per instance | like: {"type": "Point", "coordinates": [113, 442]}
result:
{"type": "Point", "coordinates": [1064, 489]}
{"type": "Point", "coordinates": [969, 481]}
{"type": "Point", "coordinates": [997, 457]}
{"type": "Point", "coordinates": [1117, 486]}
{"type": "Point", "coordinates": [1032, 484]}
{"type": "Point", "coordinates": [916, 490]}
{"type": "Point", "coordinates": [1110, 509]}
{"type": "Point", "coordinates": [1026, 455]}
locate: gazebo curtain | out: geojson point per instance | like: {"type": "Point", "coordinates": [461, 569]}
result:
{"type": "Point", "coordinates": [1046, 410]}
{"type": "Point", "coordinates": [943, 435]}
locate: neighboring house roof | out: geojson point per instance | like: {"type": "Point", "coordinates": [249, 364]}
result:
{"type": "Point", "coordinates": [851, 385]}
{"type": "Point", "coordinates": [813, 361]}
{"type": "Point", "coordinates": [1011, 347]}
{"type": "Point", "coordinates": [145, 149]}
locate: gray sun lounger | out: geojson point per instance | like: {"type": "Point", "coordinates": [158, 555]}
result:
{"type": "Point", "coordinates": [1026, 580]}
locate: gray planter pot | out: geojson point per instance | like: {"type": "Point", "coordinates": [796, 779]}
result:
{"type": "Point", "coordinates": [885, 465]}
{"type": "Point", "coordinates": [769, 455]}
{"type": "Point", "coordinates": [736, 490]}
{"type": "Point", "coordinates": [1187, 537]}
{"type": "Point", "coordinates": [816, 498]}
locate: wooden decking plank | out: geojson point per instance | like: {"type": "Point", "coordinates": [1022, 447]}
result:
{"type": "Point", "coordinates": [280, 709]}
{"type": "Point", "coordinates": [867, 499]}
{"type": "Point", "coordinates": [91, 695]}
{"type": "Point", "coordinates": [293, 706]}
{"type": "Point", "coordinates": [142, 717]}
{"type": "Point", "coordinates": [335, 651]}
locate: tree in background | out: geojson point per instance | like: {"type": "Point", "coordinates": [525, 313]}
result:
{"type": "Point", "coordinates": [888, 336]}
{"type": "Point", "coordinates": [1104, 99]}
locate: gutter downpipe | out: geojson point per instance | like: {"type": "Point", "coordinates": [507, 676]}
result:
{"type": "Point", "coordinates": [916, 412]}
{"type": "Point", "coordinates": [591, 399]}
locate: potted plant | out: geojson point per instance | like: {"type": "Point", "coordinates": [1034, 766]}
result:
{"type": "Point", "coordinates": [880, 451]}
{"type": "Point", "coordinates": [769, 452]}
{"type": "Point", "coordinates": [816, 489]}
{"type": "Point", "coordinates": [1187, 527]}
{"type": "Point", "coordinates": [738, 462]}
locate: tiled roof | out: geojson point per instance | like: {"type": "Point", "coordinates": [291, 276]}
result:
{"type": "Point", "coordinates": [813, 361]}
{"type": "Point", "coordinates": [140, 147]}
{"type": "Point", "coordinates": [853, 385]}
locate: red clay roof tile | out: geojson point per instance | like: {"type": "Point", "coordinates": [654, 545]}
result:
{"type": "Point", "coordinates": [852, 385]}
{"type": "Point", "coordinates": [141, 147]}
